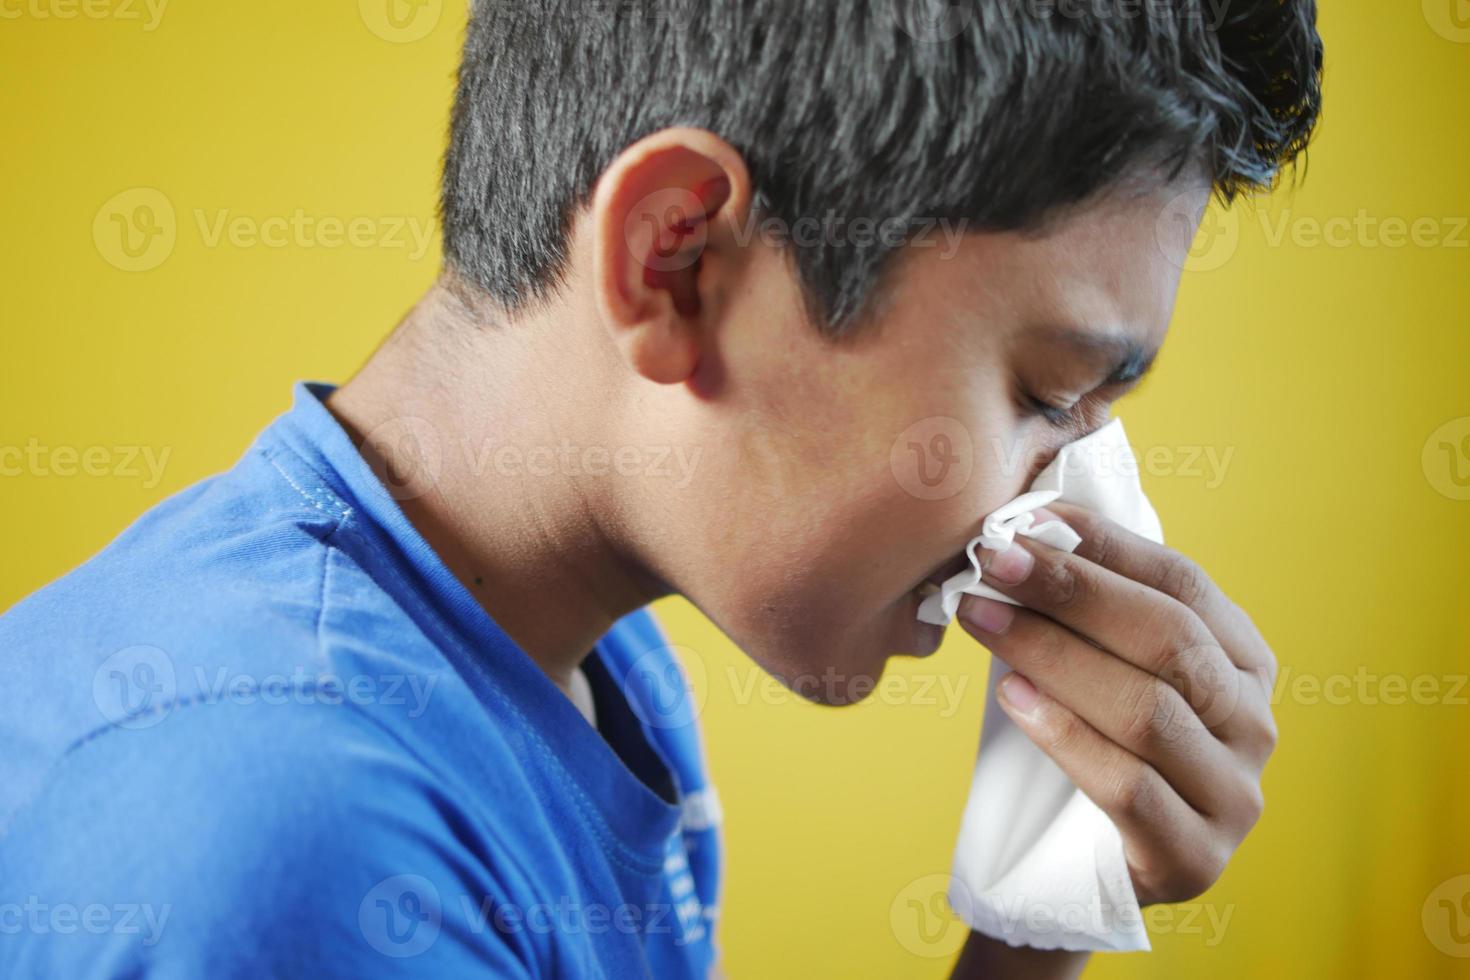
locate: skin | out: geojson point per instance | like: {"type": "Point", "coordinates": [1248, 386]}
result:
{"type": "Point", "coordinates": [802, 527]}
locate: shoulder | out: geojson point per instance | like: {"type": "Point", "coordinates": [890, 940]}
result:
{"type": "Point", "coordinates": [223, 593]}
{"type": "Point", "coordinates": [245, 539]}
{"type": "Point", "coordinates": [251, 840]}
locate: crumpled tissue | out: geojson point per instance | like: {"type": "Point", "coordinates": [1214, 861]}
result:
{"type": "Point", "coordinates": [1037, 863]}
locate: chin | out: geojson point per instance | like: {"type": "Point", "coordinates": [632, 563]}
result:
{"type": "Point", "coordinates": [849, 671]}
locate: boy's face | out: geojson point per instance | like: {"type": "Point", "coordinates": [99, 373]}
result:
{"type": "Point", "coordinates": [835, 478]}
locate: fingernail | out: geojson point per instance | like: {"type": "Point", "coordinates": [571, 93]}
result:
{"type": "Point", "coordinates": [1010, 566]}
{"type": "Point", "coordinates": [1019, 693]}
{"type": "Point", "coordinates": [988, 615]}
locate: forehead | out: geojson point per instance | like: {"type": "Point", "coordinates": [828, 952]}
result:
{"type": "Point", "coordinates": [1110, 269]}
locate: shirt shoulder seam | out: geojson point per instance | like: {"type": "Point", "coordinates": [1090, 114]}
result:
{"type": "Point", "coordinates": [329, 503]}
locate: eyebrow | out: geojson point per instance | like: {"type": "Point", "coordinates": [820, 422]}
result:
{"type": "Point", "coordinates": [1125, 358]}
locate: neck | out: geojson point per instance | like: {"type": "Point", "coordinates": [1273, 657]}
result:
{"type": "Point", "coordinates": [483, 413]}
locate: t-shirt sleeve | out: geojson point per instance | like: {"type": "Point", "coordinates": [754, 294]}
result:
{"type": "Point", "coordinates": [256, 841]}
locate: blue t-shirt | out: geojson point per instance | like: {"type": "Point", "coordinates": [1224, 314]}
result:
{"type": "Point", "coordinates": [266, 732]}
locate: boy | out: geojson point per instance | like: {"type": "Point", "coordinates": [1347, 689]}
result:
{"type": "Point", "coordinates": [381, 698]}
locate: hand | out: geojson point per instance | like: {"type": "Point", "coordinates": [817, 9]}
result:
{"type": "Point", "coordinates": [1145, 684]}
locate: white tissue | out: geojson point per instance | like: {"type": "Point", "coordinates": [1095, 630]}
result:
{"type": "Point", "coordinates": [1037, 863]}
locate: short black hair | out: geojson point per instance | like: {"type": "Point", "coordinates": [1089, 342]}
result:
{"type": "Point", "coordinates": [997, 113]}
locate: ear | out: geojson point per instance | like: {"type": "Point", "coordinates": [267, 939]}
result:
{"type": "Point", "coordinates": [658, 251]}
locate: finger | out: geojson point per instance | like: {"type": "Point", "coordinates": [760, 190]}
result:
{"type": "Point", "coordinates": [1133, 556]}
{"type": "Point", "coordinates": [1153, 631]}
{"type": "Point", "coordinates": [1159, 829]}
{"type": "Point", "coordinates": [1132, 708]}
{"type": "Point", "coordinates": [1149, 629]}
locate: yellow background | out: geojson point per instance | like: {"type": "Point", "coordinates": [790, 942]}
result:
{"type": "Point", "coordinates": [1323, 369]}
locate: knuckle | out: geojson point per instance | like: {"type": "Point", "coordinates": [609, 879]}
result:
{"type": "Point", "coordinates": [1269, 666]}
{"type": "Point", "coordinates": [1252, 803]}
{"type": "Point", "coordinates": [1185, 581]}
{"type": "Point", "coordinates": [1270, 734]}
{"type": "Point", "coordinates": [1153, 721]}
{"type": "Point", "coordinates": [1247, 620]}
{"type": "Point", "coordinates": [1263, 675]}
{"type": "Point", "coordinates": [1261, 734]}
{"type": "Point", "coordinates": [1255, 653]}
{"type": "Point", "coordinates": [1133, 796]}
{"type": "Point", "coordinates": [1183, 872]}
{"type": "Point", "coordinates": [1104, 543]}
{"type": "Point", "coordinates": [1062, 732]}
{"type": "Point", "coordinates": [1047, 652]}
{"type": "Point", "coordinates": [1205, 680]}
{"type": "Point", "coordinates": [1194, 877]}
{"type": "Point", "coordinates": [1061, 584]}
{"type": "Point", "coordinates": [1175, 663]}
{"type": "Point", "coordinates": [1214, 867]}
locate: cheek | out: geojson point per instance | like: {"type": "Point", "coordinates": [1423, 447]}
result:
{"type": "Point", "coordinates": [1008, 462]}
{"type": "Point", "coordinates": [810, 576]}
{"type": "Point", "coordinates": [846, 553]}
{"type": "Point", "coordinates": [950, 481]}
{"type": "Point", "coordinates": [821, 509]}
{"type": "Point", "coordinates": [868, 524]}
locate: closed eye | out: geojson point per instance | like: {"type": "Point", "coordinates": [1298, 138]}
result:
{"type": "Point", "coordinates": [1057, 416]}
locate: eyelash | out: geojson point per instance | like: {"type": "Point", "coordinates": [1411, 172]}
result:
{"type": "Point", "coordinates": [1055, 416]}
